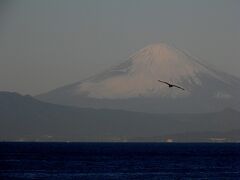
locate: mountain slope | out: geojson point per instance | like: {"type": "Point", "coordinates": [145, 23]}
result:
{"type": "Point", "coordinates": [133, 85]}
{"type": "Point", "coordinates": [25, 118]}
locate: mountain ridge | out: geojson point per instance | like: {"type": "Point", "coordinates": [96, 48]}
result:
{"type": "Point", "coordinates": [23, 118]}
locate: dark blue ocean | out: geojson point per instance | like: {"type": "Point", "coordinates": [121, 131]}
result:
{"type": "Point", "coordinates": [119, 161]}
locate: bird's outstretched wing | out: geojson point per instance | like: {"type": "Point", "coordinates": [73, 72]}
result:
{"type": "Point", "coordinates": [164, 82]}
{"type": "Point", "coordinates": [178, 87]}
{"type": "Point", "coordinates": [173, 85]}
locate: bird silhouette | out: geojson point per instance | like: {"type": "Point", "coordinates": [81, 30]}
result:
{"type": "Point", "coordinates": [171, 85]}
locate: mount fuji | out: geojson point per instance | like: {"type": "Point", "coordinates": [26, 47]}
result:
{"type": "Point", "coordinates": [133, 85]}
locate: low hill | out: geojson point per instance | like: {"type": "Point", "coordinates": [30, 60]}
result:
{"type": "Point", "coordinates": [23, 118]}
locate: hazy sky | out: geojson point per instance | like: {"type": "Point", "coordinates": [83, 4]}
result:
{"type": "Point", "coordinates": [45, 44]}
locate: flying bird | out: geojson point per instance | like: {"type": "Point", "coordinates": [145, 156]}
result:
{"type": "Point", "coordinates": [171, 85]}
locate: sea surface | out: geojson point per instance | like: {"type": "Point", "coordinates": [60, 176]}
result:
{"type": "Point", "coordinates": [102, 161]}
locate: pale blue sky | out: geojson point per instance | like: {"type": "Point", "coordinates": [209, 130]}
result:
{"type": "Point", "coordinates": [49, 43]}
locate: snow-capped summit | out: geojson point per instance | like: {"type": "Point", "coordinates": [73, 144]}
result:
{"type": "Point", "coordinates": [139, 74]}
{"type": "Point", "coordinates": [136, 80]}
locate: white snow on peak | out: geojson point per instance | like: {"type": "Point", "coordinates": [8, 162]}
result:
{"type": "Point", "coordinates": [138, 77]}
{"type": "Point", "coordinates": [165, 62]}
{"type": "Point", "coordinates": [156, 52]}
